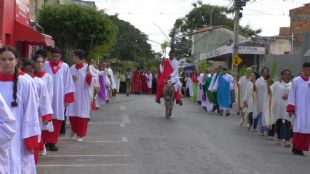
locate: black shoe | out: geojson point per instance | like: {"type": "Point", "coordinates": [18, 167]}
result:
{"type": "Point", "coordinates": [53, 147]}
{"type": "Point", "coordinates": [179, 102]}
{"type": "Point", "coordinates": [47, 146]}
{"type": "Point", "coordinates": [157, 101]}
{"type": "Point", "coordinates": [297, 152]}
{"type": "Point", "coordinates": [227, 114]}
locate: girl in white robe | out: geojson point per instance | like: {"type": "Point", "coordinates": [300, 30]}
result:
{"type": "Point", "coordinates": [7, 132]}
{"type": "Point", "coordinates": [48, 80]}
{"type": "Point", "coordinates": [19, 95]}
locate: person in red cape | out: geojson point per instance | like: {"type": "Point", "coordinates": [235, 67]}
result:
{"type": "Point", "coordinates": [169, 71]}
{"type": "Point", "coordinates": [136, 82]}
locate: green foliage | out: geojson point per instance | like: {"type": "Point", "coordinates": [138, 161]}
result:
{"type": "Point", "coordinates": [131, 44]}
{"type": "Point", "coordinates": [242, 71]}
{"type": "Point", "coordinates": [203, 66]}
{"type": "Point", "coordinates": [75, 26]}
{"type": "Point", "coordinates": [200, 16]}
{"type": "Point", "coordinates": [275, 72]}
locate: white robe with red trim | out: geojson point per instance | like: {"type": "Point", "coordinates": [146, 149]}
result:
{"type": "Point", "coordinates": [45, 106]}
{"type": "Point", "coordinates": [149, 77]}
{"type": "Point", "coordinates": [7, 132]}
{"type": "Point", "coordinates": [62, 85]}
{"type": "Point", "coordinates": [81, 107]}
{"type": "Point", "coordinates": [48, 80]}
{"type": "Point", "coordinates": [27, 124]}
{"type": "Point", "coordinates": [299, 96]}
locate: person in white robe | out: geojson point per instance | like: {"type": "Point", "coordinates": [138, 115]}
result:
{"type": "Point", "coordinates": [7, 132]}
{"type": "Point", "coordinates": [79, 111]}
{"type": "Point", "coordinates": [149, 82]}
{"type": "Point", "coordinates": [19, 95]}
{"type": "Point", "coordinates": [189, 85]}
{"type": "Point", "coordinates": [44, 103]}
{"type": "Point", "coordinates": [241, 88]}
{"type": "Point", "coordinates": [200, 90]}
{"type": "Point", "coordinates": [261, 88]}
{"type": "Point", "coordinates": [110, 74]}
{"type": "Point", "coordinates": [250, 102]}
{"type": "Point", "coordinates": [212, 88]}
{"type": "Point", "coordinates": [279, 91]}
{"type": "Point", "coordinates": [63, 88]}
{"type": "Point", "coordinates": [48, 80]}
{"type": "Point", "coordinates": [298, 105]}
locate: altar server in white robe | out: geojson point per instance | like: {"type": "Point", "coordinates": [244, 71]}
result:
{"type": "Point", "coordinates": [19, 95]}
{"type": "Point", "coordinates": [7, 132]}
{"type": "Point", "coordinates": [44, 103]}
{"type": "Point", "coordinates": [63, 88]}
{"type": "Point", "coordinates": [79, 111]}
{"type": "Point", "coordinates": [48, 80]}
{"type": "Point", "coordinates": [298, 105]}
{"type": "Point", "coordinates": [149, 78]}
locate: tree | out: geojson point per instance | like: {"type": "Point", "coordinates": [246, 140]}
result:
{"type": "Point", "coordinates": [75, 26]}
{"type": "Point", "coordinates": [200, 16]}
{"type": "Point", "coordinates": [131, 44]}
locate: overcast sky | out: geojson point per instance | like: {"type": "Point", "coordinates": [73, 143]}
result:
{"type": "Point", "coordinates": [150, 15]}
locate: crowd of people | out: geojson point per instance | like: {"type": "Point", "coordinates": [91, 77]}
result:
{"type": "Point", "coordinates": [37, 96]}
{"type": "Point", "coordinates": [276, 109]}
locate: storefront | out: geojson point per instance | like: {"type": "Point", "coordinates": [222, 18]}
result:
{"type": "Point", "coordinates": [15, 28]}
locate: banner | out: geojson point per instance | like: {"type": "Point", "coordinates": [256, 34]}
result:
{"type": "Point", "coordinates": [22, 12]}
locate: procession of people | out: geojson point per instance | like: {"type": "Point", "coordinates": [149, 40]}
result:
{"type": "Point", "coordinates": [276, 109]}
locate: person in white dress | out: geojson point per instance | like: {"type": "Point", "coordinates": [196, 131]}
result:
{"type": "Point", "coordinates": [241, 88]}
{"type": "Point", "coordinates": [79, 111]}
{"type": "Point", "coordinates": [7, 132]}
{"type": "Point", "coordinates": [19, 95]}
{"type": "Point", "coordinates": [149, 78]}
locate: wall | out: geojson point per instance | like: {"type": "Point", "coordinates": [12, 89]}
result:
{"type": "Point", "coordinates": [280, 46]}
{"type": "Point", "coordinates": [293, 62]}
{"type": "Point", "coordinates": [206, 42]}
{"type": "Point", "coordinates": [7, 19]}
{"type": "Point", "coordinates": [300, 19]}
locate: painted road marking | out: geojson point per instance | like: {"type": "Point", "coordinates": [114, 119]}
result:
{"type": "Point", "coordinates": [82, 165]}
{"type": "Point", "coordinates": [124, 139]}
{"type": "Point", "coordinates": [126, 119]}
{"type": "Point", "coordinates": [69, 156]}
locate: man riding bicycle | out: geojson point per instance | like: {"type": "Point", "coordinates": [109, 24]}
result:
{"type": "Point", "coordinates": [169, 70]}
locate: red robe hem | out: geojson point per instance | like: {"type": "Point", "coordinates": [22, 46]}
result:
{"type": "Point", "coordinates": [69, 97]}
{"type": "Point", "coordinates": [79, 125]}
{"type": "Point", "coordinates": [301, 141]}
{"type": "Point", "coordinates": [52, 137]}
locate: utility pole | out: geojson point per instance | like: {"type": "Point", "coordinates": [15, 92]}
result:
{"type": "Point", "coordinates": [238, 4]}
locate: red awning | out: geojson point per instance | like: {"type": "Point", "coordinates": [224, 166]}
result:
{"type": "Point", "coordinates": [26, 34]}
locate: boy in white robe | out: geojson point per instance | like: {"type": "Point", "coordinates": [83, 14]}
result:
{"type": "Point", "coordinates": [7, 132]}
{"type": "Point", "coordinates": [79, 111]}
{"type": "Point", "coordinates": [63, 87]}
{"type": "Point", "coordinates": [298, 105]}
{"type": "Point", "coordinates": [44, 103]}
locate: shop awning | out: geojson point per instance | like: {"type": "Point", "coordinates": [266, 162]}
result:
{"type": "Point", "coordinates": [26, 34]}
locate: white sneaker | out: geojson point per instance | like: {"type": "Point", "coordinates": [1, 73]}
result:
{"type": "Point", "coordinates": [79, 139]}
{"type": "Point", "coordinates": [43, 153]}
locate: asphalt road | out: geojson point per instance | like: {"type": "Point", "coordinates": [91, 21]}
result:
{"type": "Point", "coordinates": [131, 136]}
